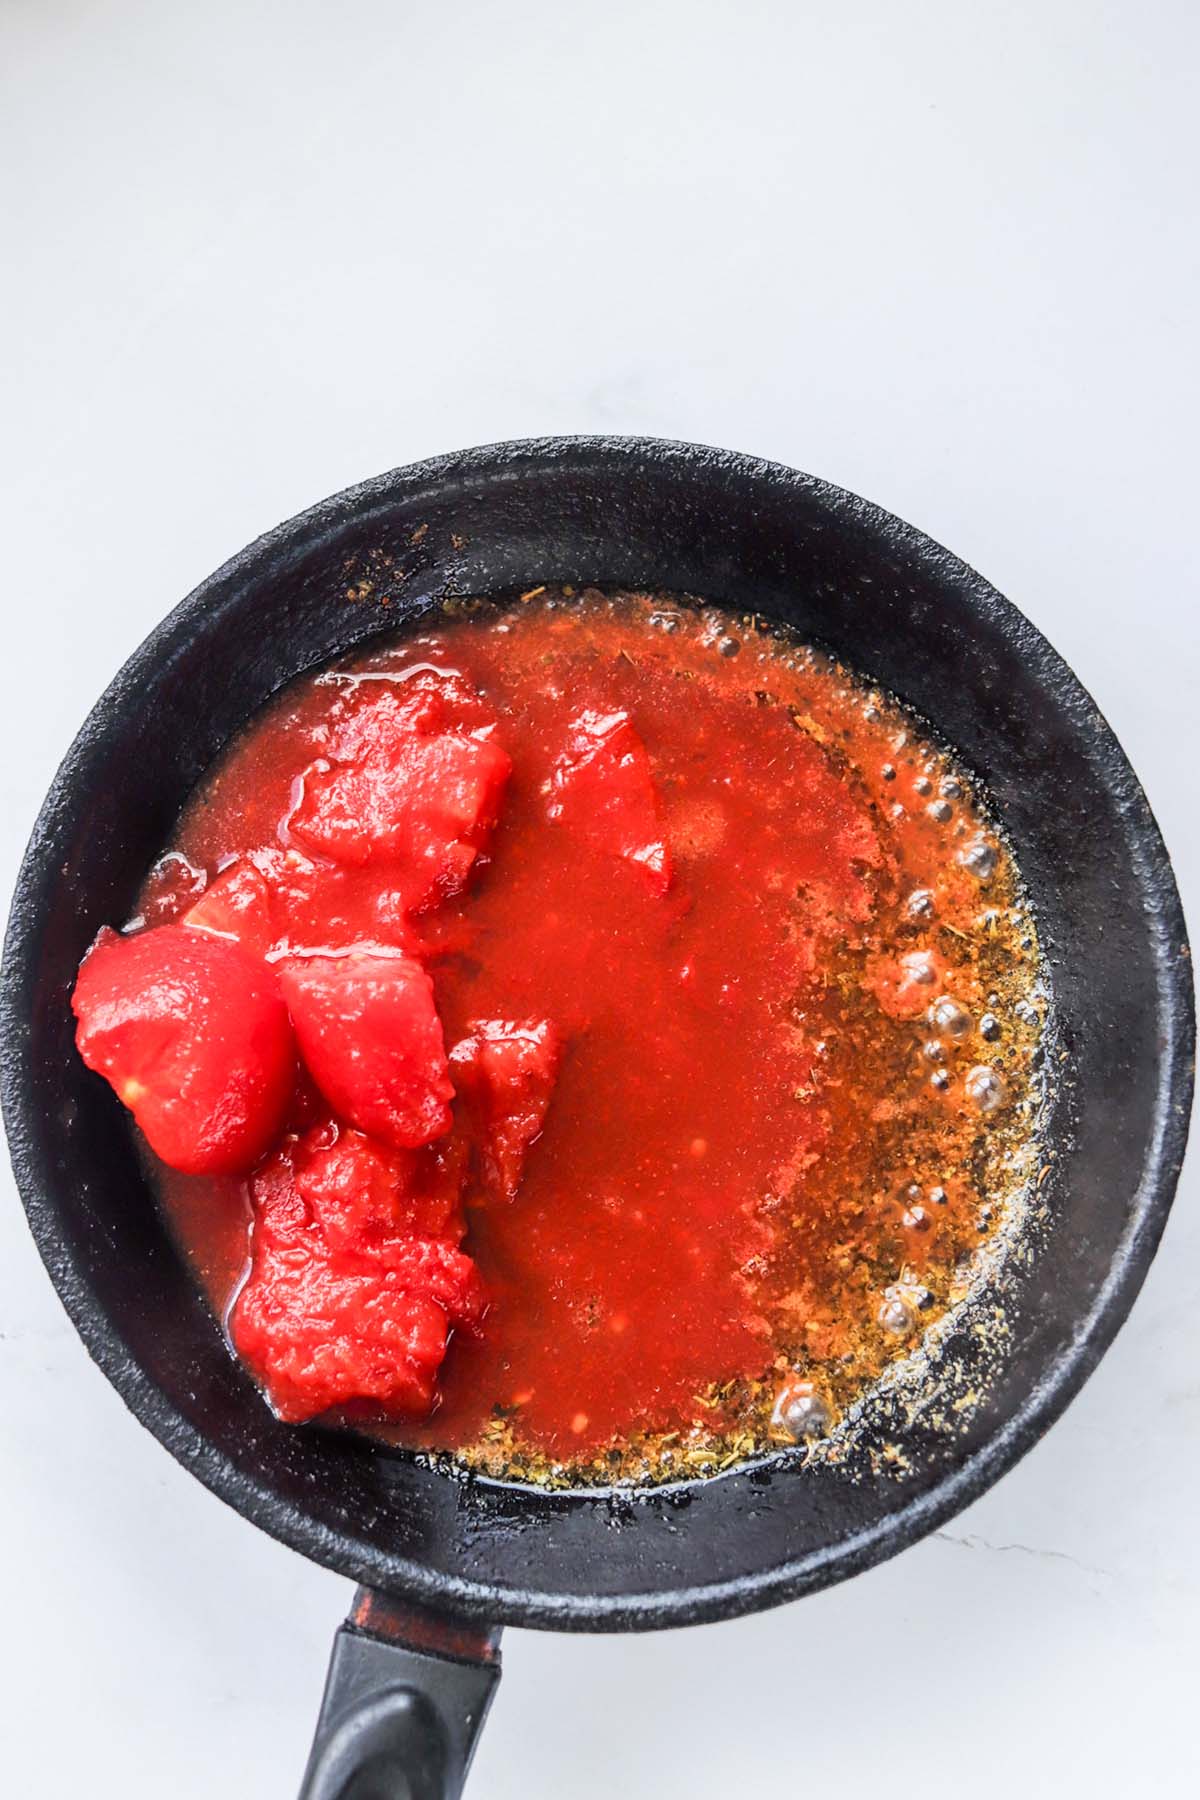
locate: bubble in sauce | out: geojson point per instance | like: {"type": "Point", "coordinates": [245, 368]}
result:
{"type": "Point", "coordinates": [801, 1411]}
{"type": "Point", "coordinates": [949, 1018]}
{"type": "Point", "coordinates": [919, 966]}
{"type": "Point", "coordinates": [984, 1088]}
{"type": "Point", "coordinates": [895, 1313]}
{"type": "Point", "coordinates": [980, 858]}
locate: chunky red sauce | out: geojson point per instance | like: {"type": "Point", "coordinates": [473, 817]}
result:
{"type": "Point", "coordinates": [725, 960]}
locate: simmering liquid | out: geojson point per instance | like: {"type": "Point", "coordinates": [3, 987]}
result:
{"type": "Point", "coordinates": [798, 1008]}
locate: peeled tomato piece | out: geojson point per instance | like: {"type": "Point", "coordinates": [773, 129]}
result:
{"type": "Point", "coordinates": [372, 1041]}
{"type": "Point", "coordinates": [192, 1035]}
{"type": "Point", "coordinates": [602, 789]}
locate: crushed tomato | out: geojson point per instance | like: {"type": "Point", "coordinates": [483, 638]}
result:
{"type": "Point", "coordinates": [597, 928]}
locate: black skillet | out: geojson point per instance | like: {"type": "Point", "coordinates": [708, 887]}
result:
{"type": "Point", "coordinates": [445, 1563]}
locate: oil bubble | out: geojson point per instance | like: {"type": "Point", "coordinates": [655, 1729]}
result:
{"type": "Point", "coordinates": [949, 1018]}
{"type": "Point", "coordinates": [895, 1314]}
{"type": "Point", "coordinates": [801, 1411]}
{"type": "Point", "coordinates": [984, 1088]}
{"type": "Point", "coordinates": [980, 858]}
{"type": "Point", "coordinates": [918, 966]}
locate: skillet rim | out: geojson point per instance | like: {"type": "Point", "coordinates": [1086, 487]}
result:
{"type": "Point", "coordinates": [351, 1555]}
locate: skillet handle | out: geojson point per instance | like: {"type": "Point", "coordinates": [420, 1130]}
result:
{"type": "Point", "coordinates": [405, 1700]}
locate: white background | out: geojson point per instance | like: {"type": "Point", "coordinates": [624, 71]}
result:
{"type": "Point", "coordinates": [942, 253]}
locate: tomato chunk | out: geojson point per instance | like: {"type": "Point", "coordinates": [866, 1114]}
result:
{"type": "Point", "coordinates": [362, 1192]}
{"type": "Point", "coordinates": [422, 699]}
{"type": "Point", "coordinates": [236, 905]}
{"type": "Point", "coordinates": [506, 1074]}
{"type": "Point", "coordinates": [602, 789]}
{"type": "Point", "coordinates": [435, 1199]}
{"type": "Point", "coordinates": [404, 786]}
{"type": "Point", "coordinates": [354, 1187]}
{"type": "Point", "coordinates": [372, 1041]}
{"type": "Point", "coordinates": [318, 905]}
{"type": "Point", "coordinates": [322, 1326]}
{"type": "Point", "coordinates": [192, 1035]}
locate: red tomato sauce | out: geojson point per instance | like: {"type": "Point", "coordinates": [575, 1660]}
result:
{"type": "Point", "coordinates": [713, 1146]}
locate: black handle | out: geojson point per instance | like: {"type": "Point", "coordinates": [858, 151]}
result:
{"type": "Point", "coordinates": [405, 1700]}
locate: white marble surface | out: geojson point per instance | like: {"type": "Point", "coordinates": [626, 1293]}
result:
{"type": "Point", "coordinates": [944, 254]}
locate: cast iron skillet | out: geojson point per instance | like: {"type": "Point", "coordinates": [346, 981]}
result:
{"type": "Point", "coordinates": [412, 1673]}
